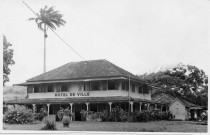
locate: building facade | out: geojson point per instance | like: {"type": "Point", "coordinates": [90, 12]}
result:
{"type": "Point", "coordinates": [180, 108]}
{"type": "Point", "coordinates": [95, 85]}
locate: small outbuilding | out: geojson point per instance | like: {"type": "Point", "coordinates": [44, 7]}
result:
{"type": "Point", "coordinates": [180, 108]}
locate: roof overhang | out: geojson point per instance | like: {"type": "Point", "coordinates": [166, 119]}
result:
{"type": "Point", "coordinates": [197, 107]}
{"type": "Point", "coordinates": [75, 100]}
{"type": "Point", "coordinates": [73, 80]}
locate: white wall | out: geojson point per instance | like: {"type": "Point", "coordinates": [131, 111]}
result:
{"type": "Point", "coordinates": [77, 87]}
{"type": "Point", "coordinates": [108, 93]}
{"type": "Point", "coordinates": [178, 109]}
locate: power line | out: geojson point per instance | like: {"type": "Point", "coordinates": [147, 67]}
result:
{"type": "Point", "coordinates": [56, 33]}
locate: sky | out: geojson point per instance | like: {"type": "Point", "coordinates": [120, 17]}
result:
{"type": "Point", "coordinates": [140, 36]}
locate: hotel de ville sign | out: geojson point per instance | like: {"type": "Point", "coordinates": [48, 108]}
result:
{"type": "Point", "coordinates": [72, 94]}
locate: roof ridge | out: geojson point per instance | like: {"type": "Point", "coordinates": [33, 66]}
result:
{"type": "Point", "coordinates": [108, 62]}
{"type": "Point", "coordinates": [120, 69]}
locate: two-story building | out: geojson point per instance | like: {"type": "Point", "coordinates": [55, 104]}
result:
{"type": "Point", "coordinates": [95, 85]}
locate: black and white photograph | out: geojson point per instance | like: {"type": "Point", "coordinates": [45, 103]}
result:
{"type": "Point", "coordinates": [105, 66]}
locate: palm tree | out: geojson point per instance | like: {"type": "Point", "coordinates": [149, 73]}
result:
{"type": "Point", "coordinates": [48, 18]}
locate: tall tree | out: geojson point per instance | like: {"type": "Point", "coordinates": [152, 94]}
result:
{"type": "Point", "coordinates": [184, 81]}
{"type": "Point", "coordinates": [8, 59]}
{"type": "Point", "coordinates": [48, 17]}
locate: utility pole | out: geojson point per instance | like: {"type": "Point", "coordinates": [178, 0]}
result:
{"type": "Point", "coordinates": [129, 96]}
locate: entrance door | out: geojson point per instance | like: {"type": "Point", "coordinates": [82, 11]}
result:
{"type": "Point", "coordinates": [78, 108]}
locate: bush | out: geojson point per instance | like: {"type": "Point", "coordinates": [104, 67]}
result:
{"type": "Point", "coordinates": [115, 115]}
{"type": "Point", "coordinates": [41, 115]}
{"type": "Point", "coordinates": [123, 115]}
{"type": "Point", "coordinates": [17, 116]}
{"type": "Point", "coordinates": [60, 114]}
{"type": "Point", "coordinates": [104, 115]}
{"type": "Point", "coordinates": [49, 125]}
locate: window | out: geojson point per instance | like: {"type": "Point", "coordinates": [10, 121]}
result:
{"type": "Point", "coordinates": [104, 85]}
{"type": "Point", "coordinates": [36, 88]}
{"type": "Point", "coordinates": [95, 85]}
{"type": "Point", "coordinates": [111, 85]}
{"type": "Point", "coordinates": [58, 87]}
{"type": "Point", "coordinates": [63, 87]}
{"type": "Point", "coordinates": [86, 86]}
{"type": "Point", "coordinates": [145, 89]}
{"type": "Point", "coordinates": [43, 88]}
{"type": "Point", "coordinates": [133, 87]}
{"type": "Point", "coordinates": [140, 89]}
{"type": "Point", "coordinates": [29, 89]}
{"type": "Point", "coordinates": [50, 88]}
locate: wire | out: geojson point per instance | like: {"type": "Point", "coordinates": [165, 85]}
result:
{"type": "Point", "coordinates": [56, 34]}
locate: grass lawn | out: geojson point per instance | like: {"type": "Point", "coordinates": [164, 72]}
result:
{"type": "Point", "coordinates": [154, 126]}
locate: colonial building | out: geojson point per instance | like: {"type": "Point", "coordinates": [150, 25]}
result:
{"type": "Point", "coordinates": [180, 108]}
{"type": "Point", "coordinates": [95, 85]}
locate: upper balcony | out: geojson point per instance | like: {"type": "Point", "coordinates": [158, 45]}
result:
{"type": "Point", "coordinates": [88, 89]}
{"type": "Point", "coordinates": [111, 93]}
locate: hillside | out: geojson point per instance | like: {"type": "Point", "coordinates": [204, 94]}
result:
{"type": "Point", "coordinates": [12, 92]}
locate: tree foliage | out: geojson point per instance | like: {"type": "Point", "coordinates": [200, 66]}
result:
{"type": "Point", "coordinates": [50, 17]}
{"type": "Point", "coordinates": [184, 81]}
{"type": "Point", "coordinates": [8, 59]}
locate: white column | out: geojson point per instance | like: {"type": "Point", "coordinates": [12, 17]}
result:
{"type": "Point", "coordinates": [140, 103]}
{"type": "Point", "coordinates": [34, 108]}
{"type": "Point", "coordinates": [71, 104]}
{"type": "Point", "coordinates": [87, 104]}
{"type": "Point", "coordinates": [148, 107]}
{"type": "Point", "coordinates": [48, 109]}
{"type": "Point", "coordinates": [110, 106]}
{"type": "Point", "coordinates": [131, 106]}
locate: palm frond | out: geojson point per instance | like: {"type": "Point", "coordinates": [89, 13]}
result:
{"type": "Point", "coordinates": [49, 17]}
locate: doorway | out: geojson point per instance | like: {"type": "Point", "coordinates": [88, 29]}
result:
{"type": "Point", "coordinates": [77, 109]}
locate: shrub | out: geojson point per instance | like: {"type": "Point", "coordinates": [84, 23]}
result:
{"type": "Point", "coordinates": [123, 116]}
{"type": "Point", "coordinates": [104, 115]}
{"type": "Point", "coordinates": [60, 113]}
{"type": "Point", "coordinates": [96, 115]}
{"type": "Point", "coordinates": [41, 115]}
{"type": "Point", "coordinates": [143, 116]}
{"type": "Point", "coordinates": [49, 125]}
{"type": "Point", "coordinates": [17, 116]}
{"type": "Point", "coordinates": [115, 115]}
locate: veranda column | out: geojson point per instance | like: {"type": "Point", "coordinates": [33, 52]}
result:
{"type": "Point", "coordinates": [148, 105]}
{"type": "Point", "coordinates": [140, 103]}
{"type": "Point", "coordinates": [34, 108]}
{"type": "Point", "coordinates": [131, 106]}
{"type": "Point", "coordinates": [48, 109]}
{"type": "Point", "coordinates": [87, 104]}
{"type": "Point", "coordinates": [71, 104]}
{"type": "Point", "coordinates": [110, 106]}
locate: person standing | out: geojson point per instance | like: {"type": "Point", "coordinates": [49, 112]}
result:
{"type": "Point", "coordinates": [195, 115]}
